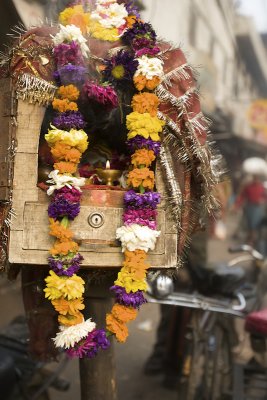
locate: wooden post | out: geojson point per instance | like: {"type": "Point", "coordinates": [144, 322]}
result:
{"type": "Point", "coordinates": [97, 375]}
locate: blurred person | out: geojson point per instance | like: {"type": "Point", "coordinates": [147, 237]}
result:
{"type": "Point", "coordinates": [253, 200]}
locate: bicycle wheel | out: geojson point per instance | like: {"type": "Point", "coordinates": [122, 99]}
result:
{"type": "Point", "coordinates": [209, 373]}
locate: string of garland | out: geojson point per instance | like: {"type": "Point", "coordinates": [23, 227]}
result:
{"type": "Point", "coordinates": [139, 66]}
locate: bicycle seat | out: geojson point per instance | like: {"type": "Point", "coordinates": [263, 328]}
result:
{"type": "Point", "coordinates": [226, 280]}
{"type": "Point", "coordinates": [256, 322]}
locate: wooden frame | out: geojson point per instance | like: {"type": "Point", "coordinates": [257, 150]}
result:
{"type": "Point", "coordinates": [29, 238]}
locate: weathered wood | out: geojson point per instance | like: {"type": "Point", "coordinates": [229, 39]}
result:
{"type": "Point", "coordinates": [98, 375]}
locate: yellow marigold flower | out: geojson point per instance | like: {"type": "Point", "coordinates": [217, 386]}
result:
{"type": "Point", "coordinates": [143, 157]}
{"type": "Point", "coordinates": [69, 92]}
{"type": "Point", "coordinates": [61, 286]}
{"type": "Point", "coordinates": [128, 281]}
{"type": "Point", "coordinates": [144, 125]}
{"type": "Point", "coordinates": [73, 138]}
{"type": "Point", "coordinates": [75, 16]}
{"type": "Point", "coordinates": [63, 105]}
{"type": "Point", "coordinates": [145, 103]}
{"type": "Point", "coordinates": [141, 177]}
{"type": "Point", "coordinates": [99, 32]}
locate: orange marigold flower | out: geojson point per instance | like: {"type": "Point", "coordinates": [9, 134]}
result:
{"type": "Point", "coordinates": [141, 82]}
{"type": "Point", "coordinates": [123, 313]}
{"type": "Point", "coordinates": [63, 105]}
{"type": "Point", "coordinates": [141, 177]}
{"type": "Point", "coordinates": [70, 319]}
{"type": "Point", "coordinates": [135, 263]}
{"type": "Point", "coordinates": [66, 167]}
{"type": "Point", "coordinates": [118, 328]}
{"type": "Point", "coordinates": [65, 307]}
{"type": "Point", "coordinates": [131, 20]}
{"type": "Point", "coordinates": [143, 157]}
{"type": "Point", "coordinates": [80, 20]}
{"type": "Point", "coordinates": [64, 248]}
{"type": "Point", "coordinates": [146, 103]}
{"type": "Point", "coordinates": [64, 152]}
{"type": "Point", "coordinates": [59, 231]}
{"type": "Point", "coordinates": [69, 92]}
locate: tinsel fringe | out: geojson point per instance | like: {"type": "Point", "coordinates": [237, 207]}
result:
{"type": "Point", "coordinates": [34, 90]}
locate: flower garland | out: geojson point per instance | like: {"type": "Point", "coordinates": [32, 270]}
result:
{"type": "Point", "coordinates": [138, 66]}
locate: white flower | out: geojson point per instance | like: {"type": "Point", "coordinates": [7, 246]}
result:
{"type": "Point", "coordinates": [149, 67]}
{"type": "Point", "coordinates": [59, 181]}
{"type": "Point", "coordinates": [111, 16]}
{"type": "Point", "coordinates": [135, 237]}
{"type": "Point", "coordinates": [69, 33]}
{"type": "Point", "coordinates": [68, 337]}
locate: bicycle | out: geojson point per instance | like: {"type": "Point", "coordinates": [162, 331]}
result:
{"type": "Point", "coordinates": [208, 360]}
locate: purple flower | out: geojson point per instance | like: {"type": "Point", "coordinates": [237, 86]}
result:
{"type": "Point", "coordinates": [134, 201]}
{"type": "Point", "coordinates": [68, 53]}
{"type": "Point", "coordinates": [134, 300]}
{"type": "Point", "coordinates": [147, 51]}
{"type": "Point", "coordinates": [90, 346]}
{"type": "Point", "coordinates": [120, 68]}
{"type": "Point", "coordinates": [132, 9]}
{"type": "Point", "coordinates": [70, 194]}
{"type": "Point", "coordinates": [140, 30]}
{"type": "Point", "coordinates": [60, 207]}
{"type": "Point", "coordinates": [144, 217]}
{"type": "Point", "coordinates": [65, 266]}
{"type": "Point", "coordinates": [69, 73]}
{"type": "Point", "coordinates": [68, 120]}
{"type": "Point", "coordinates": [104, 95]}
{"type": "Point", "coordinates": [139, 142]}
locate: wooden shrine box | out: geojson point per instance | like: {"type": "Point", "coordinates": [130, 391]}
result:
{"type": "Point", "coordinates": [101, 210]}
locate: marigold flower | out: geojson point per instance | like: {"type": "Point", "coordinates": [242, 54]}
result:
{"type": "Point", "coordinates": [146, 103]}
{"type": "Point", "coordinates": [65, 167]}
{"type": "Point", "coordinates": [63, 105]}
{"type": "Point", "coordinates": [123, 313]}
{"type": "Point", "coordinates": [65, 307]}
{"type": "Point", "coordinates": [75, 16]}
{"type": "Point", "coordinates": [144, 125]}
{"type": "Point", "coordinates": [131, 20]}
{"type": "Point", "coordinates": [70, 319]}
{"type": "Point", "coordinates": [135, 263]}
{"type": "Point", "coordinates": [62, 286]}
{"type": "Point", "coordinates": [119, 329]}
{"type": "Point", "coordinates": [100, 32]}
{"type": "Point", "coordinates": [141, 82]}
{"type": "Point", "coordinates": [129, 282]}
{"type": "Point", "coordinates": [143, 157]}
{"type": "Point", "coordinates": [74, 138]}
{"type": "Point", "coordinates": [141, 177]}
{"type": "Point", "coordinates": [65, 152]}
{"type": "Point", "coordinates": [59, 231]}
{"type": "Point", "coordinates": [69, 92]}
{"type": "Point", "coordinates": [64, 248]}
